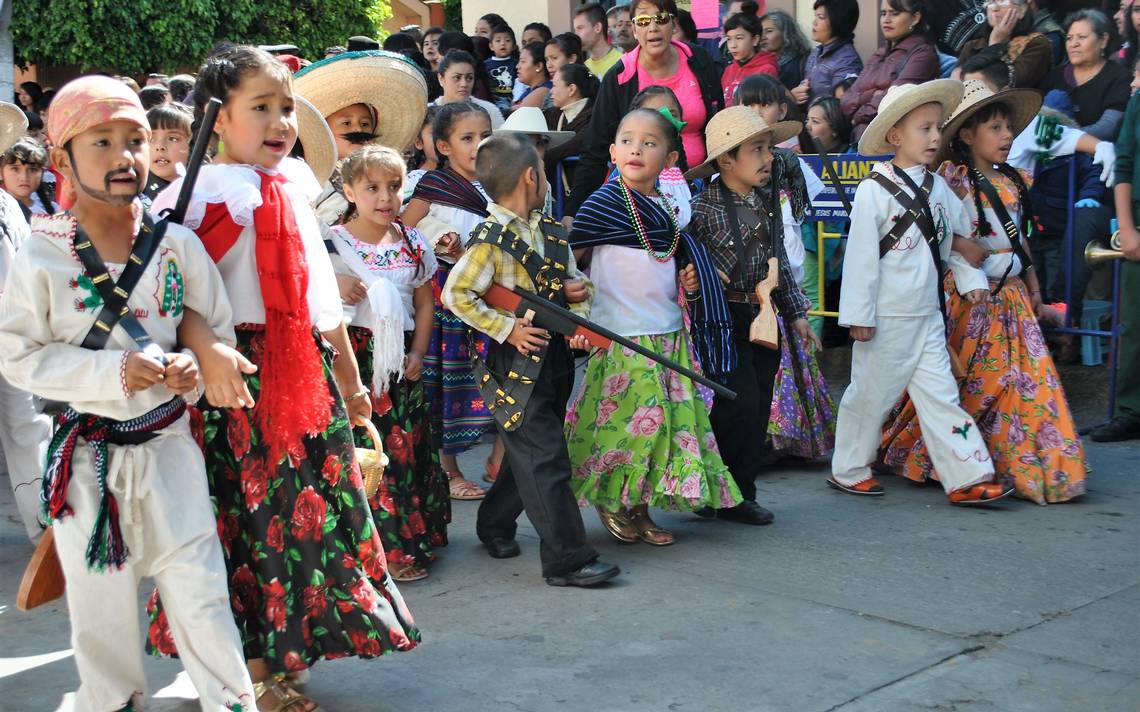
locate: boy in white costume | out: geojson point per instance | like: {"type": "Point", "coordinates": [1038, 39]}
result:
{"type": "Point", "coordinates": [892, 300]}
{"type": "Point", "coordinates": [24, 433]}
{"type": "Point", "coordinates": [125, 482]}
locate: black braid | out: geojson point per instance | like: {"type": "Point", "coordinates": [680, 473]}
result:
{"type": "Point", "coordinates": [1026, 211]}
{"type": "Point", "coordinates": [411, 248]}
{"type": "Point", "coordinates": [963, 157]}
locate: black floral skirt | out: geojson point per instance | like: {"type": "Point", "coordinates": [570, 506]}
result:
{"type": "Point", "coordinates": [307, 572]}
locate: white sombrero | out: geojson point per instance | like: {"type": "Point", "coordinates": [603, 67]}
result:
{"type": "Point", "coordinates": [1022, 105]}
{"type": "Point", "coordinates": [901, 100]}
{"type": "Point", "coordinates": [316, 139]}
{"type": "Point", "coordinates": [531, 120]}
{"type": "Point", "coordinates": [13, 125]}
{"type": "Point", "coordinates": [388, 83]}
{"type": "Point", "coordinates": [733, 127]}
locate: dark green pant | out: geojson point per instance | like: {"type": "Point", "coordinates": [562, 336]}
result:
{"type": "Point", "coordinates": [1128, 373]}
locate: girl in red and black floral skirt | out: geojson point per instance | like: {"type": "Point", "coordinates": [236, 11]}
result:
{"type": "Point", "coordinates": [308, 576]}
{"type": "Point", "coordinates": [390, 328]}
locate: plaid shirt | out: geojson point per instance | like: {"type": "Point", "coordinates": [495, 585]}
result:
{"type": "Point", "coordinates": [484, 264]}
{"type": "Point", "coordinates": [710, 225]}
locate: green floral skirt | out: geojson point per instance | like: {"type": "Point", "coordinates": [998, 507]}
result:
{"type": "Point", "coordinates": [639, 433]}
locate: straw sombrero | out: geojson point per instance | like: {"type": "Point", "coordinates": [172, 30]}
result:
{"type": "Point", "coordinates": [899, 101]}
{"type": "Point", "coordinates": [316, 139]}
{"type": "Point", "coordinates": [733, 127]}
{"type": "Point", "coordinates": [1023, 105]}
{"type": "Point", "coordinates": [13, 125]}
{"type": "Point", "coordinates": [389, 83]}
{"type": "Point", "coordinates": [531, 120]}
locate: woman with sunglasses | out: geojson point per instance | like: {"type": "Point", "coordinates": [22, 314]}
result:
{"type": "Point", "coordinates": [657, 60]}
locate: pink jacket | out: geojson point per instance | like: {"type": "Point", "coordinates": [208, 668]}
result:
{"type": "Point", "coordinates": [735, 72]}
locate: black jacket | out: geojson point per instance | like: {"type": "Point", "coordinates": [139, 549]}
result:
{"type": "Point", "coordinates": [612, 104]}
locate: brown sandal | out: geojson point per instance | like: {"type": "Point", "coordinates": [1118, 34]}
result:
{"type": "Point", "coordinates": [408, 572]}
{"type": "Point", "coordinates": [649, 532]}
{"type": "Point", "coordinates": [618, 525]}
{"type": "Point", "coordinates": [462, 488]}
{"type": "Point", "coordinates": [272, 696]}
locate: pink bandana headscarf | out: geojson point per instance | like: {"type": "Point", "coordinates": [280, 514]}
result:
{"type": "Point", "coordinates": [88, 102]}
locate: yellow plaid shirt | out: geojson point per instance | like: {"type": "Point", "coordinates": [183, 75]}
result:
{"type": "Point", "coordinates": [484, 264]}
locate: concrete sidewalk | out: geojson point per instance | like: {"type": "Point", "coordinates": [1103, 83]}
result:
{"type": "Point", "coordinates": [899, 603]}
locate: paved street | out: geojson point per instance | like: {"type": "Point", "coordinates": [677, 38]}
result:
{"type": "Point", "coordinates": [900, 603]}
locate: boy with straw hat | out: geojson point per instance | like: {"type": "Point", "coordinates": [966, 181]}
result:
{"type": "Point", "coordinates": [743, 230]}
{"type": "Point", "coordinates": [365, 97]}
{"type": "Point", "coordinates": [903, 224]}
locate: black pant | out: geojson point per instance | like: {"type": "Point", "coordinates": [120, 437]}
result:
{"type": "Point", "coordinates": [741, 425]}
{"type": "Point", "coordinates": [535, 474]}
{"type": "Point", "coordinates": [1049, 259]}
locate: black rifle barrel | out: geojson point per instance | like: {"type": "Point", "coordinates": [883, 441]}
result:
{"type": "Point", "coordinates": [194, 164]}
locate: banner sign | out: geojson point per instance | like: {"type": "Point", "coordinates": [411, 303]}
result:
{"type": "Point", "coordinates": [851, 168]}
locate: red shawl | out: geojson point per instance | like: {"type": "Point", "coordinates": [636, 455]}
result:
{"type": "Point", "coordinates": [295, 400]}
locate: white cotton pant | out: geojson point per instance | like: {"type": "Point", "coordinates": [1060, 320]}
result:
{"type": "Point", "coordinates": [907, 354]}
{"type": "Point", "coordinates": [24, 435]}
{"type": "Point", "coordinates": [170, 531]}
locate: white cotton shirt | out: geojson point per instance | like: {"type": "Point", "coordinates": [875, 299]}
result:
{"type": "Point", "coordinates": [904, 281]}
{"type": "Point", "coordinates": [634, 294]}
{"type": "Point", "coordinates": [14, 232]}
{"type": "Point", "coordinates": [49, 307]}
{"type": "Point", "coordinates": [793, 241]}
{"type": "Point", "coordinates": [239, 187]}
{"type": "Point", "coordinates": [392, 262]}
{"type": "Point", "coordinates": [967, 277]}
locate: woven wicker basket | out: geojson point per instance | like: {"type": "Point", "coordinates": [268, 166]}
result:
{"type": "Point", "coordinates": [372, 462]}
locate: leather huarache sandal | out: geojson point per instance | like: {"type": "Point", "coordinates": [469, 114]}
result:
{"type": "Point", "coordinates": [408, 572]}
{"type": "Point", "coordinates": [618, 525]}
{"type": "Point", "coordinates": [272, 696]}
{"type": "Point", "coordinates": [649, 532]}
{"type": "Point", "coordinates": [867, 488]}
{"type": "Point", "coordinates": [462, 488]}
{"type": "Point", "coordinates": [979, 494]}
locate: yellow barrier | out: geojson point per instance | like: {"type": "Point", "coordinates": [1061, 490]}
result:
{"type": "Point", "coordinates": [821, 265]}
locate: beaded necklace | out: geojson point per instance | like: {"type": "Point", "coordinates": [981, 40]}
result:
{"type": "Point", "coordinates": [639, 226]}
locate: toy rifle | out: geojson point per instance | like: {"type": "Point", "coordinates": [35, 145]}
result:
{"type": "Point", "coordinates": [563, 321]}
{"type": "Point", "coordinates": [43, 580]}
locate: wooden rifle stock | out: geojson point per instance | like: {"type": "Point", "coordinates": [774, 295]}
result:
{"type": "Point", "coordinates": [565, 322]}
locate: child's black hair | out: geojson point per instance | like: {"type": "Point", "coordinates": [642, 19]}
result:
{"type": "Point", "coordinates": [171, 117]}
{"type": "Point", "coordinates": [577, 75]}
{"type": "Point", "coordinates": [744, 21]}
{"type": "Point", "coordinates": [674, 135]}
{"type": "Point", "coordinates": [504, 29]}
{"type": "Point", "coordinates": [444, 122]}
{"type": "Point", "coordinates": [419, 156]}
{"type": "Point", "coordinates": [502, 160]}
{"type": "Point", "coordinates": [224, 71]}
{"type": "Point", "coordinates": [667, 128]}
{"type": "Point", "coordinates": [990, 63]}
{"type": "Point", "coordinates": [541, 28]}
{"type": "Point", "coordinates": [761, 89]}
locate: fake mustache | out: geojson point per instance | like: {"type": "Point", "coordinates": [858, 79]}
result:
{"type": "Point", "coordinates": [358, 138]}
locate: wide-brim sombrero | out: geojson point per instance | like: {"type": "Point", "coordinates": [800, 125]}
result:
{"type": "Point", "coordinates": [391, 84]}
{"type": "Point", "coordinates": [316, 139]}
{"type": "Point", "coordinates": [13, 125]}
{"type": "Point", "coordinates": [531, 120]}
{"type": "Point", "coordinates": [1022, 105]}
{"type": "Point", "coordinates": [902, 99]}
{"type": "Point", "coordinates": [733, 127]}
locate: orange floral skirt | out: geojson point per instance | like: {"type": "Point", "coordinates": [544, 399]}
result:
{"type": "Point", "coordinates": [1012, 390]}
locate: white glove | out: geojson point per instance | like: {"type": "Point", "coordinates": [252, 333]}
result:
{"type": "Point", "coordinates": [1105, 157]}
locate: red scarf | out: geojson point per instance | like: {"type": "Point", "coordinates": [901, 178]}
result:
{"type": "Point", "coordinates": [295, 400]}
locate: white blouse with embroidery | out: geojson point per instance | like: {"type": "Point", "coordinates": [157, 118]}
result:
{"type": "Point", "coordinates": [50, 304]}
{"type": "Point", "coordinates": [239, 187]}
{"type": "Point", "coordinates": [396, 262]}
